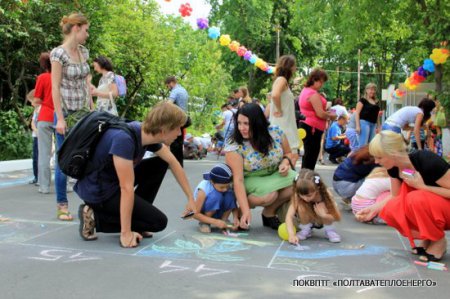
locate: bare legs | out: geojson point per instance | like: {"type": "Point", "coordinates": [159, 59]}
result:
{"type": "Point", "coordinates": [271, 201]}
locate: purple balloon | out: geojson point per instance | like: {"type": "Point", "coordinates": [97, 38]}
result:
{"type": "Point", "coordinates": [202, 23]}
{"type": "Point", "coordinates": [248, 55]}
{"type": "Point", "coordinates": [422, 72]}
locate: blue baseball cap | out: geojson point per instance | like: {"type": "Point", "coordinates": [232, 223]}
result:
{"type": "Point", "coordinates": [220, 174]}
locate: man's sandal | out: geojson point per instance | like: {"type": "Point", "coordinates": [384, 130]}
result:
{"type": "Point", "coordinates": [87, 223]}
{"type": "Point", "coordinates": [146, 235]}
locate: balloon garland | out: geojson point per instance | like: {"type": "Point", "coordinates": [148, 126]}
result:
{"type": "Point", "coordinates": [398, 94]}
{"type": "Point", "coordinates": [225, 40]}
{"type": "Point", "coordinates": [235, 46]}
{"type": "Point", "coordinates": [438, 56]}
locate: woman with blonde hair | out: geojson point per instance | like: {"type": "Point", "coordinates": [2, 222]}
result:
{"type": "Point", "coordinates": [245, 99]}
{"type": "Point", "coordinates": [366, 115]}
{"type": "Point", "coordinates": [419, 205]}
{"type": "Point", "coordinates": [70, 90]}
{"type": "Point", "coordinates": [282, 112]}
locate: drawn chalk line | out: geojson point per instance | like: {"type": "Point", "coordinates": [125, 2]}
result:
{"type": "Point", "coordinates": [44, 233]}
{"type": "Point", "coordinates": [333, 274]}
{"type": "Point", "coordinates": [409, 258]}
{"type": "Point", "coordinates": [275, 255]}
{"type": "Point", "coordinates": [66, 223]}
{"type": "Point", "coordinates": [74, 249]}
{"type": "Point", "coordinates": [149, 245]}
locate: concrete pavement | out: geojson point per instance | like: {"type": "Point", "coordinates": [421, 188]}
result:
{"type": "Point", "coordinates": [41, 257]}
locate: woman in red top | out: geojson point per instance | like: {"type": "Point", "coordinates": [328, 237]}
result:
{"type": "Point", "coordinates": [43, 96]}
{"type": "Point", "coordinates": [312, 106]}
{"type": "Point", "coordinates": [419, 205]}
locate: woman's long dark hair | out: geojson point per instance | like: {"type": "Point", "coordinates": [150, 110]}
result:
{"type": "Point", "coordinates": [260, 138]}
{"type": "Point", "coordinates": [427, 106]}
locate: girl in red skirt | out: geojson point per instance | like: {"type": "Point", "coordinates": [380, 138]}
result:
{"type": "Point", "coordinates": [419, 205]}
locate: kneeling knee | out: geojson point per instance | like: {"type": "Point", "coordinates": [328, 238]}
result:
{"type": "Point", "coordinates": [160, 224]}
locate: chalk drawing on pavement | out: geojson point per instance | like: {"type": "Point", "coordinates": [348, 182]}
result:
{"type": "Point", "coordinates": [206, 247]}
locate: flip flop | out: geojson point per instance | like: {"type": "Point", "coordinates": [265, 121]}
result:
{"type": "Point", "coordinates": [428, 257]}
{"type": "Point", "coordinates": [419, 251]}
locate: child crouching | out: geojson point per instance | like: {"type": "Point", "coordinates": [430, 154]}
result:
{"type": "Point", "coordinates": [215, 200]}
{"type": "Point", "coordinates": [314, 206]}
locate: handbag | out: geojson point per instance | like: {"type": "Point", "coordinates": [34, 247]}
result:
{"type": "Point", "coordinates": [112, 108]}
{"type": "Point", "coordinates": [73, 117]}
{"type": "Point", "coordinates": [440, 119]}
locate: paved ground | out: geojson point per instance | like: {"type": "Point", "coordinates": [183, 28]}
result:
{"type": "Point", "coordinates": [41, 257]}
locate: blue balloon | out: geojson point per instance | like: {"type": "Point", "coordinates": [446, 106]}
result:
{"type": "Point", "coordinates": [214, 32]}
{"type": "Point", "coordinates": [428, 65]}
{"type": "Point", "coordinates": [253, 59]}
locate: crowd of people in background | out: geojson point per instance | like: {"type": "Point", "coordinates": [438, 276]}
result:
{"type": "Point", "coordinates": [387, 172]}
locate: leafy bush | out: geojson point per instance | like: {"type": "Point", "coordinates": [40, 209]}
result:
{"type": "Point", "coordinates": [15, 140]}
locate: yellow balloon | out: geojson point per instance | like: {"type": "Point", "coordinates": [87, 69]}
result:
{"type": "Point", "coordinates": [301, 133]}
{"type": "Point", "coordinates": [224, 40]}
{"type": "Point", "coordinates": [283, 233]}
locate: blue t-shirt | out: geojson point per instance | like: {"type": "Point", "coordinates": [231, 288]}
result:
{"type": "Point", "coordinates": [103, 183]}
{"type": "Point", "coordinates": [179, 96]}
{"type": "Point", "coordinates": [206, 186]}
{"type": "Point", "coordinates": [333, 131]}
{"type": "Point", "coordinates": [350, 172]}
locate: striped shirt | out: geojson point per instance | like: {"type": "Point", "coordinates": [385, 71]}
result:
{"type": "Point", "coordinates": [74, 90]}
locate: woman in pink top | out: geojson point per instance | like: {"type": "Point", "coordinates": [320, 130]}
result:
{"type": "Point", "coordinates": [313, 107]}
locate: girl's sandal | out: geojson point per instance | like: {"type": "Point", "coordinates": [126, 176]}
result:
{"type": "Point", "coordinates": [64, 215]}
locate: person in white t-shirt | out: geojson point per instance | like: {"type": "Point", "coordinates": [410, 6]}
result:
{"type": "Point", "coordinates": [338, 107]}
{"type": "Point", "coordinates": [410, 114]}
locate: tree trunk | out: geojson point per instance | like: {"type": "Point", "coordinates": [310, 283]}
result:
{"type": "Point", "coordinates": [438, 74]}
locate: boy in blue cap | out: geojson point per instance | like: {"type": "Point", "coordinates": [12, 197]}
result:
{"type": "Point", "coordinates": [215, 200]}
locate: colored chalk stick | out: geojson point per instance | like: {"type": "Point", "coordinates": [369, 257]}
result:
{"type": "Point", "coordinates": [421, 263]}
{"type": "Point", "coordinates": [437, 268]}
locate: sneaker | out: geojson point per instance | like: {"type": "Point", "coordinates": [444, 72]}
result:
{"type": "Point", "coordinates": [333, 160]}
{"type": "Point", "coordinates": [204, 228]}
{"type": "Point", "coordinates": [43, 191]}
{"type": "Point", "coordinates": [33, 181]}
{"type": "Point", "coordinates": [304, 233]}
{"type": "Point", "coordinates": [378, 221]}
{"type": "Point", "coordinates": [333, 236]}
{"type": "Point", "coordinates": [87, 223]}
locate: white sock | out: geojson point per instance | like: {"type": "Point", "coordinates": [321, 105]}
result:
{"type": "Point", "coordinates": [329, 227]}
{"type": "Point", "coordinates": [306, 226]}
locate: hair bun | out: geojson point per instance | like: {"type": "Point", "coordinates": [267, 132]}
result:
{"type": "Point", "coordinates": [64, 21]}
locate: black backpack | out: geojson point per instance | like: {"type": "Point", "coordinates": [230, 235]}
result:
{"type": "Point", "coordinates": [79, 145]}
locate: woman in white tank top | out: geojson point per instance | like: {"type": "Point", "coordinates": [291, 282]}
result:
{"type": "Point", "coordinates": [282, 109]}
{"type": "Point", "coordinates": [410, 114]}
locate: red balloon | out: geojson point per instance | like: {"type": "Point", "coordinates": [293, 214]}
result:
{"type": "Point", "coordinates": [185, 10]}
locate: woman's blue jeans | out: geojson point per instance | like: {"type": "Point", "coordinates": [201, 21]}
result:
{"type": "Point", "coordinates": [60, 177]}
{"type": "Point", "coordinates": [367, 132]}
